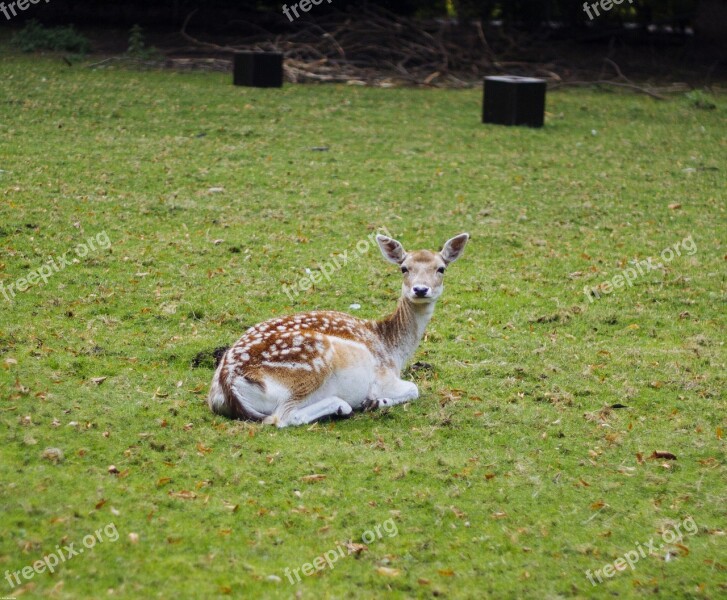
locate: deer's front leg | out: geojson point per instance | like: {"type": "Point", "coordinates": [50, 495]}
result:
{"type": "Point", "coordinates": [392, 393]}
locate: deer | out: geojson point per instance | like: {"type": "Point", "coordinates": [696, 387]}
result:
{"type": "Point", "coordinates": [297, 369]}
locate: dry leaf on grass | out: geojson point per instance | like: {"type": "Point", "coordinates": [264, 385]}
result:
{"type": "Point", "coordinates": [457, 513]}
{"type": "Point", "coordinates": [662, 454]}
{"type": "Point", "coordinates": [183, 494]}
{"type": "Point", "coordinates": [683, 548]}
{"type": "Point", "coordinates": [355, 549]}
{"type": "Point", "coordinates": [202, 449]}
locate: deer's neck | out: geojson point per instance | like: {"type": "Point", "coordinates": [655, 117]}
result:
{"type": "Point", "coordinates": [402, 330]}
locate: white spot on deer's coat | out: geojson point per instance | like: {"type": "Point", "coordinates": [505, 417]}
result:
{"type": "Point", "coordinates": [288, 365]}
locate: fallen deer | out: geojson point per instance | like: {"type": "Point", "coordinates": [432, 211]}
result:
{"type": "Point", "coordinates": [297, 369]}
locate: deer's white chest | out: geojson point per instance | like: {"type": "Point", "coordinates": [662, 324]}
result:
{"type": "Point", "coordinates": [353, 373]}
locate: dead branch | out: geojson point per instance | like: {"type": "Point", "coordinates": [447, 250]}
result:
{"type": "Point", "coordinates": [630, 86]}
{"type": "Point", "coordinates": [377, 47]}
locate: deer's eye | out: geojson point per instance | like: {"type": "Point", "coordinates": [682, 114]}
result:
{"type": "Point", "coordinates": [404, 270]}
{"type": "Point", "coordinates": [440, 270]}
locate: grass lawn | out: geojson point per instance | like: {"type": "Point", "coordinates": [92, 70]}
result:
{"type": "Point", "coordinates": [529, 457]}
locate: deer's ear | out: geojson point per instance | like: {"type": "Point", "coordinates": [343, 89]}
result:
{"type": "Point", "coordinates": [392, 250]}
{"type": "Point", "coordinates": [454, 248]}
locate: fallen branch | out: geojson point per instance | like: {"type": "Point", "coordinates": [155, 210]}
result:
{"type": "Point", "coordinates": [127, 59]}
{"type": "Point", "coordinates": [630, 86]}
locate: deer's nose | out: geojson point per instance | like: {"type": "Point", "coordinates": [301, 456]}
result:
{"type": "Point", "coordinates": [420, 291]}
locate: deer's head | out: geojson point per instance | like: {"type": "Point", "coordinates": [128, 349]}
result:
{"type": "Point", "coordinates": [423, 270]}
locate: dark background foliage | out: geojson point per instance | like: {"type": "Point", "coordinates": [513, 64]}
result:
{"type": "Point", "coordinates": [513, 13]}
{"type": "Point", "coordinates": [670, 37]}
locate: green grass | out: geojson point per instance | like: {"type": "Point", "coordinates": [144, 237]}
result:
{"type": "Point", "coordinates": [508, 478]}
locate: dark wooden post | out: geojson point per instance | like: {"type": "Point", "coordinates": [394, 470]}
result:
{"type": "Point", "coordinates": [512, 100]}
{"type": "Point", "coordinates": [258, 69]}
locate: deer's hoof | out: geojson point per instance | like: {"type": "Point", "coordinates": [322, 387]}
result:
{"type": "Point", "coordinates": [376, 403]}
{"type": "Point", "coordinates": [370, 404]}
{"type": "Point", "coordinates": [344, 412]}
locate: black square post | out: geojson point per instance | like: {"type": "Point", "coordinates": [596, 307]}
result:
{"type": "Point", "coordinates": [512, 100]}
{"type": "Point", "coordinates": [258, 69]}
